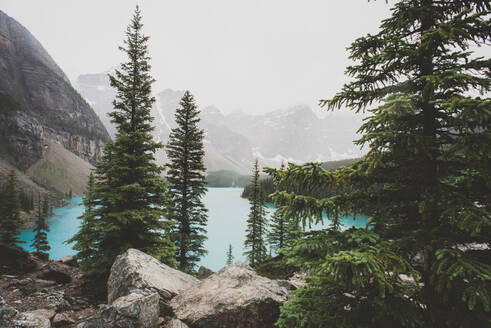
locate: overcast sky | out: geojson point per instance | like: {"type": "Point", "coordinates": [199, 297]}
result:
{"type": "Point", "coordinates": [252, 55]}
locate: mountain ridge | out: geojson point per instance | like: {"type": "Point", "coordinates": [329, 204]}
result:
{"type": "Point", "coordinates": [234, 140]}
{"type": "Point", "coordinates": [40, 109]}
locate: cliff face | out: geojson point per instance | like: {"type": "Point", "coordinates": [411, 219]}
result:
{"type": "Point", "coordinates": [38, 103]}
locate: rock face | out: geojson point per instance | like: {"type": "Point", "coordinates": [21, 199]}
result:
{"type": "Point", "coordinates": [137, 270]}
{"type": "Point", "coordinates": [37, 102]}
{"type": "Point", "coordinates": [234, 297]}
{"type": "Point", "coordinates": [135, 310]}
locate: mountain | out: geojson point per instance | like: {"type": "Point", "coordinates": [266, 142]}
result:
{"type": "Point", "coordinates": [232, 141]}
{"type": "Point", "coordinates": [44, 122]}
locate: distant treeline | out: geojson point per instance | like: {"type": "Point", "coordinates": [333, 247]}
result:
{"type": "Point", "coordinates": [226, 178]}
{"type": "Point", "coordinates": [26, 199]}
{"type": "Point", "coordinates": [268, 186]}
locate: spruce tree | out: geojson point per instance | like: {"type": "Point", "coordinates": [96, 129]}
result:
{"type": "Point", "coordinates": [40, 240]}
{"type": "Point", "coordinates": [186, 179]}
{"type": "Point", "coordinates": [230, 255]}
{"type": "Point", "coordinates": [425, 181]}
{"type": "Point", "coordinates": [88, 237]}
{"type": "Point", "coordinates": [255, 231]}
{"type": "Point", "coordinates": [10, 222]}
{"type": "Point", "coordinates": [278, 231]}
{"type": "Point", "coordinates": [129, 191]}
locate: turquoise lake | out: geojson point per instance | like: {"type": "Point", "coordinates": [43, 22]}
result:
{"type": "Point", "coordinates": [226, 225]}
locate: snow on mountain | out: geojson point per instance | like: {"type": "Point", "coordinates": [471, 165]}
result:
{"type": "Point", "coordinates": [233, 141]}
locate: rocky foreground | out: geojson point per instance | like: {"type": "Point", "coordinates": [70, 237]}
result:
{"type": "Point", "coordinates": [142, 292]}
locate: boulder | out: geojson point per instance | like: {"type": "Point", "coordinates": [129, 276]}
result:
{"type": "Point", "coordinates": [68, 260]}
{"type": "Point", "coordinates": [137, 270]}
{"type": "Point", "coordinates": [55, 272]}
{"type": "Point", "coordinates": [234, 297]}
{"type": "Point", "coordinates": [175, 323]}
{"type": "Point", "coordinates": [135, 310]}
{"type": "Point", "coordinates": [204, 272]}
{"type": "Point", "coordinates": [35, 319]}
{"type": "Point", "coordinates": [62, 320]}
{"type": "Point", "coordinates": [6, 313]}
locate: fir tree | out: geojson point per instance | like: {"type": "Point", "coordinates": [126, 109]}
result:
{"type": "Point", "coordinates": [277, 237]}
{"type": "Point", "coordinates": [187, 181]}
{"type": "Point", "coordinates": [129, 191]}
{"type": "Point", "coordinates": [10, 222]}
{"type": "Point", "coordinates": [88, 237]}
{"type": "Point", "coordinates": [40, 240]}
{"type": "Point", "coordinates": [424, 183]}
{"type": "Point", "coordinates": [255, 231]}
{"type": "Point", "coordinates": [230, 255]}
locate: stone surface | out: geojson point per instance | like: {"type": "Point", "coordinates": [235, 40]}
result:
{"type": "Point", "coordinates": [135, 310]}
{"type": "Point", "coordinates": [204, 272]}
{"type": "Point", "coordinates": [55, 272]}
{"type": "Point", "coordinates": [137, 270]}
{"type": "Point", "coordinates": [35, 319]}
{"type": "Point", "coordinates": [6, 312]}
{"type": "Point", "coordinates": [234, 297]}
{"type": "Point", "coordinates": [175, 323]}
{"type": "Point", "coordinates": [62, 320]}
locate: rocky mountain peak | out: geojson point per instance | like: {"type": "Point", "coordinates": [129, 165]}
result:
{"type": "Point", "coordinates": [14, 35]}
{"type": "Point", "coordinates": [38, 105]}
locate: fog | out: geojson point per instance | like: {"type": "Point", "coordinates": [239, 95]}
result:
{"type": "Point", "coordinates": [249, 55]}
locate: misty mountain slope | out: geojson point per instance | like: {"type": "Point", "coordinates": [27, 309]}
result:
{"type": "Point", "coordinates": [96, 88]}
{"type": "Point", "coordinates": [38, 104]}
{"type": "Point", "coordinates": [232, 141]}
{"type": "Point", "coordinates": [220, 152]}
{"type": "Point", "coordinates": [60, 169]}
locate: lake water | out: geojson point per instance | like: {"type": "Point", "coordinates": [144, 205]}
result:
{"type": "Point", "coordinates": [226, 225]}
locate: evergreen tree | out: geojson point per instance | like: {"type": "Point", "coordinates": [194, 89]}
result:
{"type": "Point", "coordinates": [425, 182]}
{"type": "Point", "coordinates": [129, 191]}
{"type": "Point", "coordinates": [40, 240]}
{"type": "Point", "coordinates": [255, 231]}
{"type": "Point", "coordinates": [262, 227]}
{"type": "Point", "coordinates": [46, 208]}
{"type": "Point", "coordinates": [230, 255]}
{"type": "Point", "coordinates": [88, 237]}
{"type": "Point", "coordinates": [278, 231]}
{"type": "Point", "coordinates": [10, 222]}
{"type": "Point", "coordinates": [186, 180]}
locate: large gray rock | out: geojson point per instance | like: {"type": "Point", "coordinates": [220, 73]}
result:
{"type": "Point", "coordinates": [35, 319]}
{"type": "Point", "coordinates": [135, 310]}
{"type": "Point", "coordinates": [137, 270]}
{"type": "Point", "coordinates": [234, 297]}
